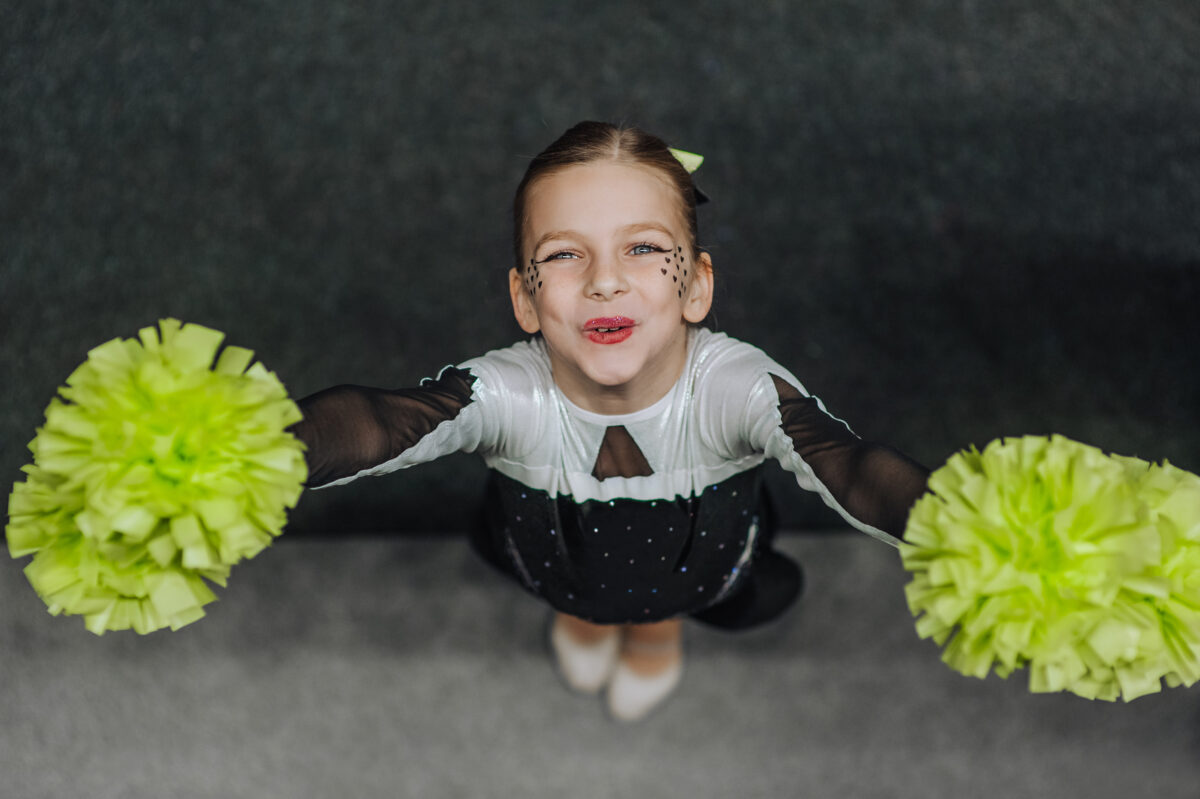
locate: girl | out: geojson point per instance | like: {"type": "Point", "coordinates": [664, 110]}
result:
{"type": "Point", "coordinates": [625, 440]}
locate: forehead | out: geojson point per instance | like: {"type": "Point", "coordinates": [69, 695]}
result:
{"type": "Point", "coordinates": [589, 198]}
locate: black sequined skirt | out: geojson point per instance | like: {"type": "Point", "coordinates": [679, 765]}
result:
{"type": "Point", "coordinates": [634, 561]}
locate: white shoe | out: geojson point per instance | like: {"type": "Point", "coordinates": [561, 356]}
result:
{"type": "Point", "coordinates": [631, 696]}
{"type": "Point", "coordinates": [585, 667]}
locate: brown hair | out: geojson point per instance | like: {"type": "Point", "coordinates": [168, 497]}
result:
{"type": "Point", "coordinates": [586, 142]}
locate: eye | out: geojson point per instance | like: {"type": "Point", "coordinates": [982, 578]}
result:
{"type": "Point", "coordinates": [561, 255]}
{"type": "Point", "coordinates": [645, 248]}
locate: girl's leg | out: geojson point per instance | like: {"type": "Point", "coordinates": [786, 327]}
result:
{"type": "Point", "coordinates": [586, 652]}
{"type": "Point", "coordinates": [649, 649]}
{"type": "Point", "coordinates": [584, 632]}
{"type": "Point", "coordinates": [649, 669]}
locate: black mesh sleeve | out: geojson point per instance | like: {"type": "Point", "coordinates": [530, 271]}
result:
{"type": "Point", "coordinates": [350, 428]}
{"type": "Point", "coordinates": [874, 483]}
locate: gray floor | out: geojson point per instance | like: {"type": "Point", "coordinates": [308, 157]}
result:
{"type": "Point", "coordinates": [374, 667]}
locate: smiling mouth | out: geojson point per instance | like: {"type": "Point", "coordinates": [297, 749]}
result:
{"type": "Point", "coordinates": [609, 329]}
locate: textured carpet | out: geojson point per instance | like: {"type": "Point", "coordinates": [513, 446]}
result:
{"type": "Point", "coordinates": [402, 667]}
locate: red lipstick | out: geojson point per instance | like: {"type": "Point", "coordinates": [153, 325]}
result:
{"type": "Point", "coordinates": [608, 329]}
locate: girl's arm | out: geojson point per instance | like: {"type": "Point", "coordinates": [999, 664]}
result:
{"type": "Point", "coordinates": [872, 483]}
{"type": "Point", "coordinates": [352, 430]}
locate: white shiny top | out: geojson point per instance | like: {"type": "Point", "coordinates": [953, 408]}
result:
{"type": "Point", "coordinates": [720, 418]}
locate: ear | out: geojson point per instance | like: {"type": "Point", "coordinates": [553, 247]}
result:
{"type": "Point", "coordinates": [700, 291]}
{"type": "Point", "coordinates": [523, 309]}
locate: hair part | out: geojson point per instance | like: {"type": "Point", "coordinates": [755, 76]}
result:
{"type": "Point", "coordinates": [589, 142]}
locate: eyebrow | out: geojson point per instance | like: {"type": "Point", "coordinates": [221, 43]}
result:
{"type": "Point", "coordinates": [625, 230]}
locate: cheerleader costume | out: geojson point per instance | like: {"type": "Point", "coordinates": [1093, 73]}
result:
{"type": "Point", "coordinates": [626, 518]}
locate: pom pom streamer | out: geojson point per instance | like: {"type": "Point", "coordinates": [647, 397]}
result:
{"type": "Point", "coordinates": [161, 466]}
{"type": "Point", "coordinates": [1047, 554]}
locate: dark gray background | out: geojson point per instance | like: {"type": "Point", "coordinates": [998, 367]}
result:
{"type": "Point", "coordinates": [952, 220]}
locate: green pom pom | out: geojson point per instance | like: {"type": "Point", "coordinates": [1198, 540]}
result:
{"type": "Point", "coordinates": [161, 466]}
{"type": "Point", "coordinates": [1047, 554]}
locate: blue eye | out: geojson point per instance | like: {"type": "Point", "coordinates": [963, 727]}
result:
{"type": "Point", "coordinates": [645, 249]}
{"type": "Point", "coordinates": [558, 256]}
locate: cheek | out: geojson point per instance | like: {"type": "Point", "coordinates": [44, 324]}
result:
{"type": "Point", "coordinates": [552, 299]}
{"type": "Point", "coordinates": [676, 268]}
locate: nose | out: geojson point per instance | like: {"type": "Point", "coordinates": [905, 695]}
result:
{"type": "Point", "coordinates": [606, 278]}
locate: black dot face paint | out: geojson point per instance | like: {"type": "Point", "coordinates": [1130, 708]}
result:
{"type": "Point", "coordinates": [531, 278]}
{"type": "Point", "coordinates": [663, 270]}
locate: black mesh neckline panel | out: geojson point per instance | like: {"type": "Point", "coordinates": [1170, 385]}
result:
{"type": "Point", "coordinates": [620, 456]}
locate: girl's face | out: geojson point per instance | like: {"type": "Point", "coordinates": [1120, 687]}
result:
{"type": "Point", "coordinates": [610, 281]}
